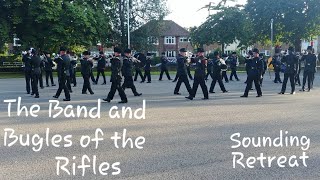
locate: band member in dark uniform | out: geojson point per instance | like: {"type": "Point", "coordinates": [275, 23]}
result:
{"type": "Point", "coordinates": [291, 62]}
{"type": "Point", "coordinates": [297, 77]}
{"type": "Point", "coordinates": [48, 69]}
{"type": "Point", "coordinates": [310, 64]}
{"type": "Point", "coordinates": [233, 61]}
{"type": "Point", "coordinates": [63, 64]}
{"type": "Point", "coordinates": [265, 66]}
{"type": "Point", "coordinates": [26, 59]}
{"type": "Point", "coordinates": [35, 72]}
{"type": "Point", "coordinates": [182, 72]}
{"type": "Point", "coordinates": [200, 75]}
{"type": "Point", "coordinates": [147, 69]}
{"type": "Point", "coordinates": [224, 71]}
{"type": "Point", "coordinates": [248, 58]}
{"type": "Point", "coordinates": [101, 67]}
{"type": "Point", "coordinates": [127, 72]}
{"type": "Point", "coordinates": [276, 62]}
{"type": "Point", "coordinates": [73, 63]}
{"type": "Point", "coordinates": [116, 66]}
{"type": "Point", "coordinates": [42, 66]}
{"type": "Point", "coordinates": [85, 71]}
{"type": "Point", "coordinates": [137, 66]}
{"type": "Point", "coordinates": [216, 72]}
{"type": "Point", "coordinates": [255, 68]}
{"type": "Point", "coordinates": [164, 68]}
{"type": "Point", "coordinates": [69, 71]}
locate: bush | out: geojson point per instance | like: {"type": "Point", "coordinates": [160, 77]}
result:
{"type": "Point", "coordinates": [11, 69]}
{"type": "Point", "coordinates": [10, 58]}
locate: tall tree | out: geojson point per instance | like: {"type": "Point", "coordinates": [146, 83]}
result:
{"type": "Point", "coordinates": [293, 20]}
{"type": "Point", "coordinates": [47, 24]}
{"type": "Point", "coordinates": [141, 11]}
{"type": "Point", "coordinates": [224, 27]}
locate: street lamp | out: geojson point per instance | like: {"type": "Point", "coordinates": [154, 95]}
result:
{"type": "Point", "coordinates": [128, 19]}
{"type": "Point", "coordinates": [271, 24]}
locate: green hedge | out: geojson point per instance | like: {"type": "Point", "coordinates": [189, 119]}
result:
{"type": "Point", "coordinates": [10, 58]}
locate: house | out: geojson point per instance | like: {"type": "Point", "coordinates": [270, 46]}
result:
{"type": "Point", "coordinates": [164, 36]}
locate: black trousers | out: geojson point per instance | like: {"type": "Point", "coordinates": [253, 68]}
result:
{"type": "Point", "coordinates": [224, 76]}
{"type": "Point", "coordinates": [74, 77]}
{"type": "Point", "coordinates": [183, 79]}
{"type": "Point", "coordinates": [35, 79]}
{"type": "Point", "coordinates": [189, 72]}
{"type": "Point", "coordinates": [261, 80]}
{"type": "Point", "coordinates": [147, 74]}
{"type": "Point", "coordinates": [101, 71]}
{"type": "Point", "coordinates": [313, 74]}
{"type": "Point", "coordinates": [297, 78]}
{"type": "Point", "coordinates": [250, 80]}
{"type": "Point", "coordinates": [207, 75]}
{"type": "Point", "coordinates": [164, 71]}
{"type": "Point", "coordinates": [116, 86]}
{"type": "Point", "coordinates": [92, 77]}
{"type": "Point", "coordinates": [128, 83]}
{"type": "Point", "coordinates": [285, 80]}
{"type": "Point", "coordinates": [277, 76]}
{"type": "Point", "coordinates": [86, 84]}
{"type": "Point", "coordinates": [215, 78]}
{"type": "Point", "coordinates": [49, 75]}
{"type": "Point", "coordinates": [28, 77]}
{"type": "Point", "coordinates": [138, 72]}
{"type": "Point", "coordinates": [234, 73]}
{"type": "Point", "coordinates": [307, 76]}
{"type": "Point", "coordinates": [63, 86]}
{"type": "Point", "coordinates": [40, 79]}
{"type": "Point", "coordinates": [177, 76]}
{"type": "Point", "coordinates": [69, 83]}
{"type": "Point", "coordinates": [200, 80]}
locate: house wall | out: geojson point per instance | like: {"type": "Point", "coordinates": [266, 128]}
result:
{"type": "Point", "coordinates": [173, 47]}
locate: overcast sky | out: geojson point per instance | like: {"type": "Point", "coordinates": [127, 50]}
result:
{"type": "Point", "coordinates": [186, 14]}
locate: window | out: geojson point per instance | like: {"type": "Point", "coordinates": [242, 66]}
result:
{"type": "Point", "coordinates": [185, 39]}
{"type": "Point", "coordinates": [153, 40]}
{"type": "Point", "coordinates": [169, 40]}
{"type": "Point", "coordinates": [171, 53]}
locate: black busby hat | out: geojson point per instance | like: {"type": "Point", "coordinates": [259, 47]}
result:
{"type": "Point", "coordinates": [255, 50]}
{"type": "Point", "coordinates": [309, 48]}
{"type": "Point", "coordinates": [127, 51]}
{"type": "Point", "coordinates": [291, 48]}
{"type": "Point", "coordinates": [200, 50]}
{"type": "Point", "coordinates": [183, 50]}
{"type": "Point", "coordinates": [86, 53]}
{"type": "Point", "coordinates": [63, 48]}
{"type": "Point", "coordinates": [117, 50]}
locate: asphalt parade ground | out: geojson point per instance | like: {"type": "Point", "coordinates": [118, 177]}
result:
{"type": "Point", "coordinates": [184, 140]}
